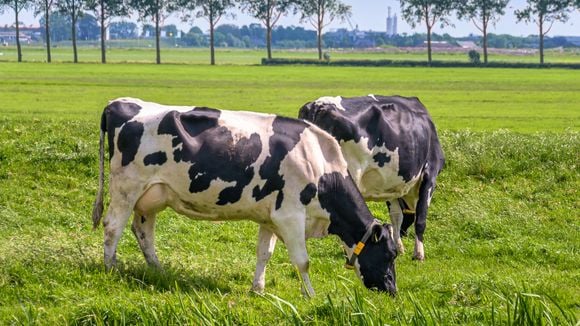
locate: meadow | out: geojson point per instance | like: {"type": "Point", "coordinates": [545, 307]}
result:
{"type": "Point", "coordinates": [143, 51]}
{"type": "Point", "coordinates": [502, 244]}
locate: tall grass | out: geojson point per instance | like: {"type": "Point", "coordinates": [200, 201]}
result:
{"type": "Point", "coordinates": [502, 237]}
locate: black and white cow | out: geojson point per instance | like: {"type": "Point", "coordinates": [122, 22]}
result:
{"type": "Point", "coordinates": [287, 175]}
{"type": "Point", "coordinates": [392, 150]}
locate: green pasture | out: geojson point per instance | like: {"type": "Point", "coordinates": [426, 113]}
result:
{"type": "Point", "coordinates": [143, 51]}
{"type": "Point", "coordinates": [502, 244]}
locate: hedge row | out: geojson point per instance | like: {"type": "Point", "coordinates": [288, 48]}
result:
{"type": "Point", "coordinates": [411, 63]}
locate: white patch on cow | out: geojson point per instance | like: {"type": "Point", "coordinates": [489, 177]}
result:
{"type": "Point", "coordinates": [336, 101]}
{"type": "Point", "coordinates": [243, 128]}
{"type": "Point", "coordinates": [373, 97]}
{"type": "Point", "coordinates": [324, 157]}
{"type": "Point", "coordinates": [376, 182]}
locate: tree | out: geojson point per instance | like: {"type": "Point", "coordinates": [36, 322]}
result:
{"type": "Point", "coordinates": [59, 26]}
{"type": "Point", "coordinates": [212, 11]}
{"type": "Point", "coordinates": [123, 30]}
{"type": "Point", "coordinates": [104, 10]}
{"type": "Point", "coordinates": [17, 6]}
{"type": "Point", "coordinates": [158, 10]}
{"type": "Point", "coordinates": [482, 13]}
{"type": "Point", "coordinates": [88, 28]}
{"type": "Point", "coordinates": [320, 13]}
{"type": "Point", "coordinates": [44, 6]}
{"type": "Point", "coordinates": [268, 12]}
{"type": "Point", "coordinates": [429, 12]}
{"type": "Point", "coordinates": [544, 12]}
{"type": "Point", "coordinates": [74, 9]}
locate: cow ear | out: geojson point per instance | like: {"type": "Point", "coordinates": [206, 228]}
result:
{"type": "Point", "coordinates": [377, 233]}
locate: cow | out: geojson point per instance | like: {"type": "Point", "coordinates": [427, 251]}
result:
{"type": "Point", "coordinates": [392, 150]}
{"type": "Point", "coordinates": [285, 174]}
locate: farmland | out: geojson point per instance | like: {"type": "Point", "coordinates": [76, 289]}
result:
{"type": "Point", "coordinates": [501, 243]}
{"type": "Point", "coordinates": [143, 51]}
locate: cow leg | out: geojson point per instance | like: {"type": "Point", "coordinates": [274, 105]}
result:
{"type": "Point", "coordinates": [292, 231]}
{"type": "Point", "coordinates": [114, 224]}
{"type": "Point", "coordinates": [427, 187]}
{"type": "Point", "coordinates": [266, 244]}
{"type": "Point", "coordinates": [144, 230]}
{"type": "Point", "coordinates": [396, 213]}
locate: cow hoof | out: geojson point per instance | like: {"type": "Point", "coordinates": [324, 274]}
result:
{"type": "Point", "coordinates": [418, 257]}
{"type": "Point", "coordinates": [400, 247]}
{"type": "Point", "coordinates": [258, 289]}
{"type": "Point", "coordinates": [307, 294]}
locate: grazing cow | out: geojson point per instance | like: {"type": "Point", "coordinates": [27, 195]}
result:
{"type": "Point", "coordinates": [287, 175]}
{"type": "Point", "coordinates": [392, 151]}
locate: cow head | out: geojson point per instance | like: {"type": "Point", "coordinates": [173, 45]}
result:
{"type": "Point", "coordinates": [376, 262]}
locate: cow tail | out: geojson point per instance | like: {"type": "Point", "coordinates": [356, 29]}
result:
{"type": "Point", "coordinates": [98, 206]}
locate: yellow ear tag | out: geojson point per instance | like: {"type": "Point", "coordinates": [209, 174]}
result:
{"type": "Point", "coordinates": [347, 266]}
{"type": "Point", "coordinates": [359, 247]}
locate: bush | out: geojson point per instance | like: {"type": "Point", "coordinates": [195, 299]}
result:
{"type": "Point", "coordinates": [412, 63]}
{"type": "Point", "coordinates": [474, 57]}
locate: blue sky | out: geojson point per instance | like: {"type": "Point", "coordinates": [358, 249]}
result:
{"type": "Point", "coordinates": [371, 15]}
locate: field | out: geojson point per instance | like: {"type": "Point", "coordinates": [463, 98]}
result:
{"type": "Point", "coordinates": [143, 51]}
{"type": "Point", "coordinates": [502, 243]}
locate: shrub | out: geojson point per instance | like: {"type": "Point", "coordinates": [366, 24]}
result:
{"type": "Point", "coordinates": [474, 57]}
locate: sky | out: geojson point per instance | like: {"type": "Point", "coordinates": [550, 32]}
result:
{"type": "Point", "coordinates": [371, 15]}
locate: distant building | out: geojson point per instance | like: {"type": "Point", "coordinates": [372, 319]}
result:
{"type": "Point", "coordinates": [391, 23]}
{"type": "Point", "coordinates": [28, 34]}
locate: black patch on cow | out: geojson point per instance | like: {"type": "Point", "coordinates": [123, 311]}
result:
{"type": "Point", "coordinates": [114, 116]}
{"type": "Point", "coordinates": [349, 214]}
{"type": "Point", "coordinates": [408, 220]}
{"type": "Point", "coordinates": [400, 124]}
{"type": "Point", "coordinates": [286, 135]}
{"type": "Point", "coordinates": [157, 158]}
{"type": "Point", "coordinates": [210, 148]}
{"type": "Point", "coordinates": [308, 193]}
{"type": "Point", "coordinates": [129, 140]}
{"type": "Point", "coordinates": [381, 159]}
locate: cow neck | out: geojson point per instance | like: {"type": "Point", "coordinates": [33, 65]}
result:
{"type": "Point", "coordinates": [349, 214]}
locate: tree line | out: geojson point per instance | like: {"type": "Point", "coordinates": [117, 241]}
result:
{"type": "Point", "coordinates": [318, 13]}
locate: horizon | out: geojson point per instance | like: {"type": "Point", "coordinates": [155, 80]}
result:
{"type": "Point", "coordinates": [367, 16]}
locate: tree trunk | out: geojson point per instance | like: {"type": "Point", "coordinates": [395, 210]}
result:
{"type": "Point", "coordinates": [541, 23]}
{"type": "Point", "coordinates": [157, 36]}
{"type": "Point", "coordinates": [269, 38]}
{"type": "Point", "coordinates": [47, 30]}
{"type": "Point", "coordinates": [18, 47]}
{"type": "Point", "coordinates": [485, 42]}
{"type": "Point", "coordinates": [103, 34]}
{"type": "Point", "coordinates": [74, 38]}
{"type": "Point", "coordinates": [319, 41]}
{"type": "Point", "coordinates": [211, 41]}
{"type": "Point", "coordinates": [429, 44]}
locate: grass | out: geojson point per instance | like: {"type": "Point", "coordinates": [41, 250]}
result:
{"type": "Point", "coordinates": [144, 52]}
{"type": "Point", "coordinates": [502, 237]}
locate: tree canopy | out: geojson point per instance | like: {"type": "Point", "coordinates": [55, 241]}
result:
{"type": "Point", "coordinates": [482, 13]}
{"type": "Point", "coordinates": [544, 13]}
{"type": "Point", "coordinates": [321, 13]}
{"type": "Point", "coordinates": [429, 12]}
